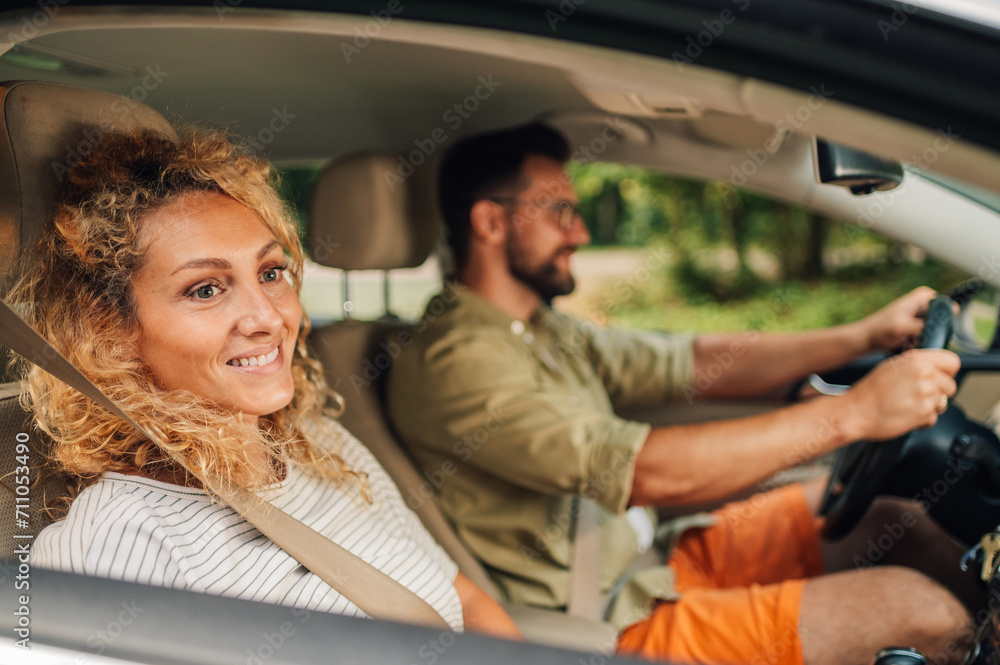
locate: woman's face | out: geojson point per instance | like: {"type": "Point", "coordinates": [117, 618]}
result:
{"type": "Point", "coordinates": [217, 316]}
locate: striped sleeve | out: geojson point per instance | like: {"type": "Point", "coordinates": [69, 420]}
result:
{"type": "Point", "coordinates": [115, 535]}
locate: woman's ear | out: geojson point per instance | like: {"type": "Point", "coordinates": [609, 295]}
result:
{"type": "Point", "coordinates": [489, 222]}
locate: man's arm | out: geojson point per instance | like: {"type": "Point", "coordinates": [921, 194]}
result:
{"type": "Point", "coordinates": [747, 364]}
{"type": "Point", "coordinates": [706, 462]}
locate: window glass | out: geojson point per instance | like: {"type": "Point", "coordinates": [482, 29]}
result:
{"type": "Point", "coordinates": [679, 254]}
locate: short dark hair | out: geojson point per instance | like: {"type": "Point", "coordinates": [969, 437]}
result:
{"type": "Point", "coordinates": [487, 165]}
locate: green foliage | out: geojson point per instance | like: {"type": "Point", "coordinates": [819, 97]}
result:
{"type": "Point", "coordinates": [729, 245]}
{"type": "Point", "coordinates": [845, 295]}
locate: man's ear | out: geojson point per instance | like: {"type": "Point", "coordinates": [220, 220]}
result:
{"type": "Point", "coordinates": [489, 223]}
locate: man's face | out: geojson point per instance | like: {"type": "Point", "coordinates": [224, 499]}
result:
{"type": "Point", "coordinates": [538, 247]}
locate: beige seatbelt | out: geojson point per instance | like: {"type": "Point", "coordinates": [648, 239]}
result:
{"type": "Point", "coordinates": [585, 598]}
{"type": "Point", "coordinates": [374, 592]}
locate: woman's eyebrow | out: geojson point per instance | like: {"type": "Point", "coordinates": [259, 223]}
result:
{"type": "Point", "coordinates": [223, 264]}
{"type": "Point", "coordinates": [267, 248]}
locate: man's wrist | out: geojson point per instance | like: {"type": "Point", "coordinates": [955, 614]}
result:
{"type": "Point", "coordinates": [860, 337]}
{"type": "Point", "coordinates": [840, 421]}
{"type": "Point", "coordinates": [850, 423]}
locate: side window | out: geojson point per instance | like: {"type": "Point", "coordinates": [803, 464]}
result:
{"type": "Point", "coordinates": [408, 291]}
{"type": "Point", "coordinates": [372, 292]}
{"type": "Point", "coordinates": [670, 253]}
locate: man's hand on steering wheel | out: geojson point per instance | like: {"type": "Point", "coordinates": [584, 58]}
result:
{"type": "Point", "coordinates": [899, 323]}
{"type": "Point", "coordinates": [901, 394]}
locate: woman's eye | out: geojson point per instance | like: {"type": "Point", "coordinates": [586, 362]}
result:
{"type": "Point", "coordinates": [204, 292]}
{"type": "Point", "coordinates": [272, 274]}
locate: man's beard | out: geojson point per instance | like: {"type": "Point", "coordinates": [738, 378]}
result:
{"type": "Point", "coordinates": [546, 280]}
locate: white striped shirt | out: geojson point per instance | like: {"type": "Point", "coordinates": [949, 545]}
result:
{"type": "Point", "coordinates": [140, 530]}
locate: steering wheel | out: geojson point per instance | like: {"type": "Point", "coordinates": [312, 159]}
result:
{"type": "Point", "coordinates": [860, 470]}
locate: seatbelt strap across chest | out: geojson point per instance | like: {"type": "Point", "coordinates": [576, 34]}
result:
{"type": "Point", "coordinates": [585, 598]}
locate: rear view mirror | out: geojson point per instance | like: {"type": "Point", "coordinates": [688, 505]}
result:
{"type": "Point", "coordinates": [860, 172]}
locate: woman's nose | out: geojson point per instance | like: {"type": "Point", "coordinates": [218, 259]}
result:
{"type": "Point", "coordinates": [258, 315]}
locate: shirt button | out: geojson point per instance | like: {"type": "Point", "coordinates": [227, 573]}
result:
{"type": "Point", "coordinates": [517, 327]}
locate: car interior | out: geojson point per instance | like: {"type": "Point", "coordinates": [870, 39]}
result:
{"type": "Point", "coordinates": [378, 129]}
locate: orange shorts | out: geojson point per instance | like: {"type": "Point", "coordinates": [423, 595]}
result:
{"type": "Point", "coordinates": [741, 584]}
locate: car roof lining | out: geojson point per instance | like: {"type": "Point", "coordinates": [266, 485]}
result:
{"type": "Point", "coordinates": [597, 73]}
{"type": "Point", "coordinates": [341, 107]}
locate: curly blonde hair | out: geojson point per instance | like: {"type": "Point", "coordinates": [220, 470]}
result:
{"type": "Point", "coordinates": [79, 297]}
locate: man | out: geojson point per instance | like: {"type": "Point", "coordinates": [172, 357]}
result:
{"type": "Point", "coordinates": [509, 408]}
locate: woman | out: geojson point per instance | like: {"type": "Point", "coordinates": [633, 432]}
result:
{"type": "Point", "coordinates": [172, 281]}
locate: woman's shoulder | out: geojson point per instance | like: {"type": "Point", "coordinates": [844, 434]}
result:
{"type": "Point", "coordinates": [115, 509]}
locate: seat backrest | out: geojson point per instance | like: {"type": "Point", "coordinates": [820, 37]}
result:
{"type": "Point", "coordinates": [363, 216]}
{"type": "Point", "coordinates": [45, 128]}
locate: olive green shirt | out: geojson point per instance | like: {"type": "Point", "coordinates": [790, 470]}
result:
{"type": "Point", "coordinates": [511, 420]}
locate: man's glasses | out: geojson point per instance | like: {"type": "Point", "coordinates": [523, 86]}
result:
{"type": "Point", "coordinates": [565, 211]}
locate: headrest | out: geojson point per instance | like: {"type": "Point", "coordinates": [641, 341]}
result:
{"type": "Point", "coordinates": [366, 216]}
{"type": "Point", "coordinates": [45, 129]}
